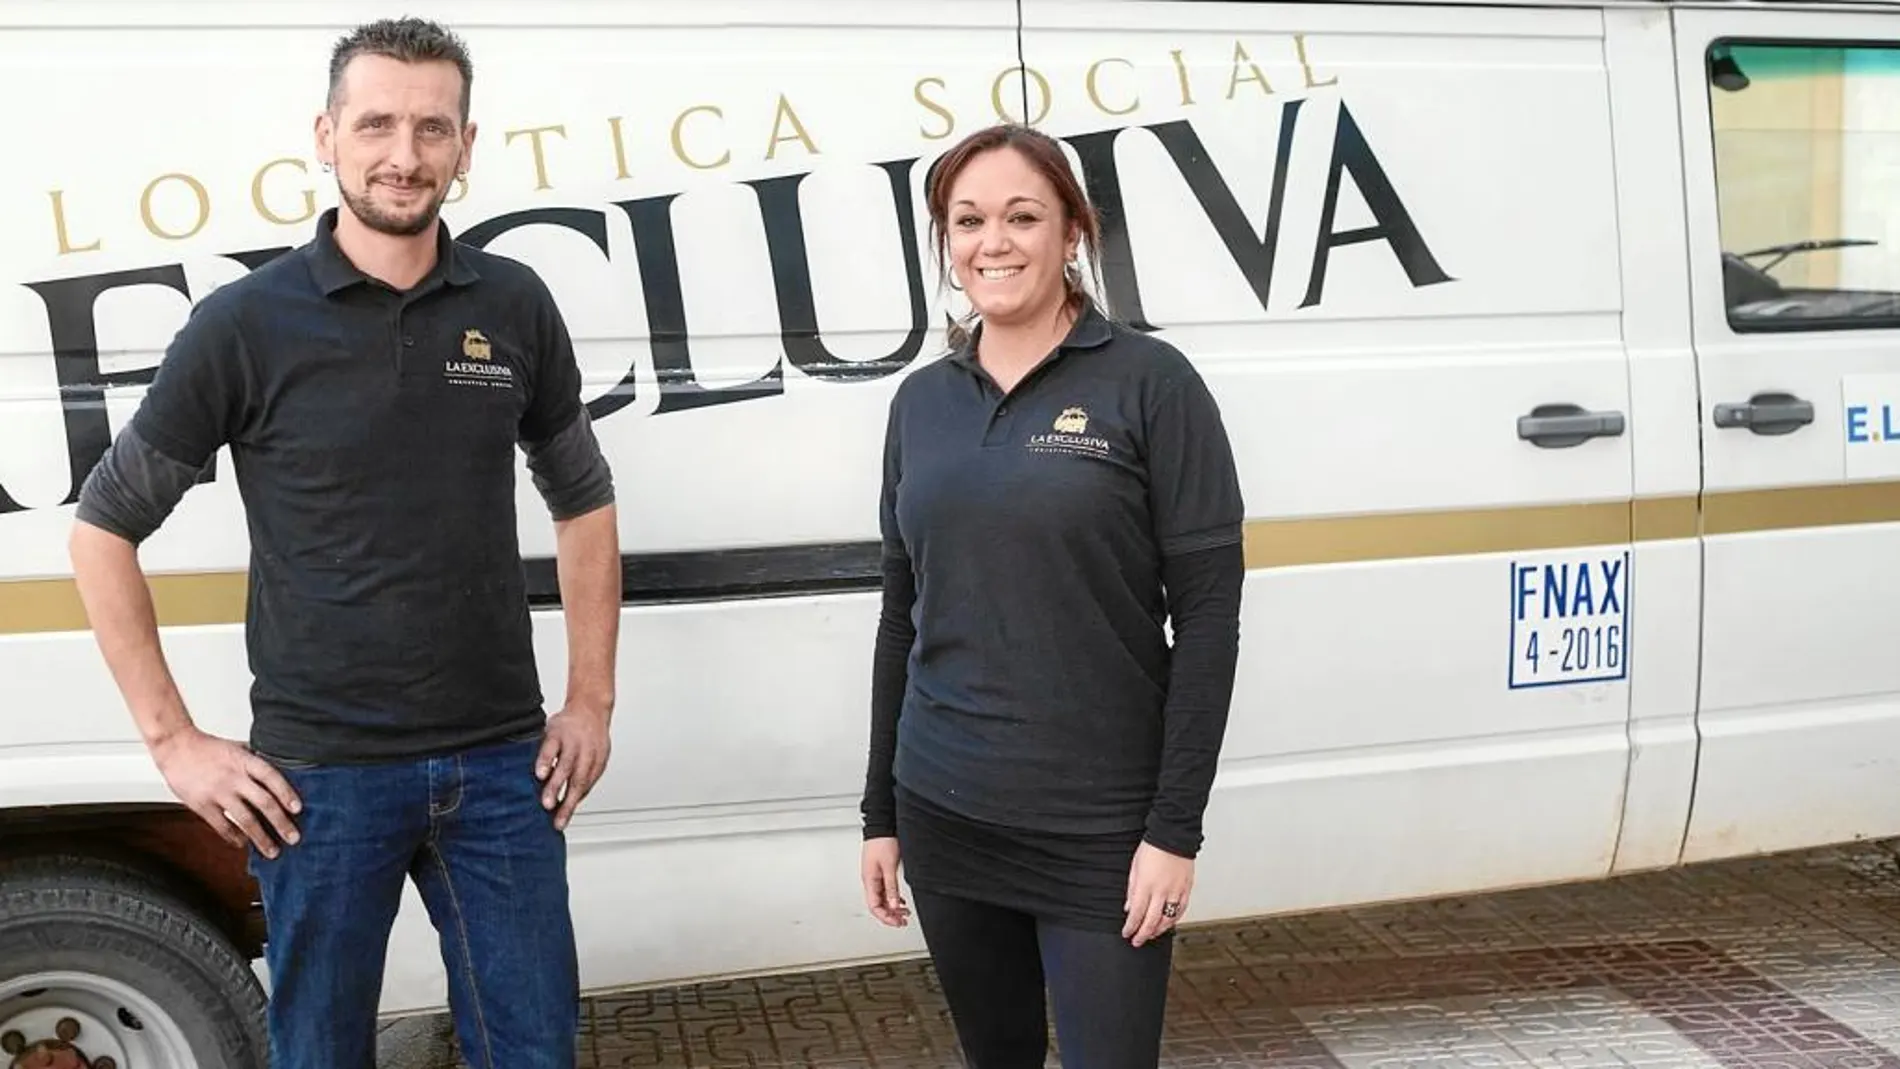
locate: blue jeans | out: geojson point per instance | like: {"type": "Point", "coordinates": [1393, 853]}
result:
{"type": "Point", "coordinates": [469, 829]}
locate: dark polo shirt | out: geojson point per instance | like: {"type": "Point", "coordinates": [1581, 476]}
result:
{"type": "Point", "coordinates": [1033, 532]}
{"type": "Point", "coordinates": [374, 435]}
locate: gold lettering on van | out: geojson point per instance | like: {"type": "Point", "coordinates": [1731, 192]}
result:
{"type": "Point", "coordinates": [1235, 78]}
{"type": "Point", "coordinates": [197, 190]}
{"type": "Point", "coordinates": [540, 158]}
{"type": "Point", "coordinates": [778, 123]}
{"type": "Point", "coordinates": [1042, 86]}
{"type": "Point", "coordinates": [1306, 65]}
{"type": "Point", "coordinates": [257, 193]}
{"type": "Point", "coordinates": [1181, 72]}
{"type": "Point", "coordinates": [679, 143]}
{"type": "Point", "coordinates": [1095, 96]}
{"type": "Point", "coordinates": [274, 198]}
{"type": "Point", "coordinates": [66, 245]}
{"type": "Point", "coordinates": [949, 120]}
{"type": "Point", "coordinates": [620, 148]}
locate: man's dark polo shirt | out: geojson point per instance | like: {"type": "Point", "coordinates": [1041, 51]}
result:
{"type": "Point", "coordinates": [1036, 526]}
{"type": "Point", "coordinates": [374, 436]}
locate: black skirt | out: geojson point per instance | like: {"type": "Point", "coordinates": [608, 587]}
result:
{"type": "Point", "coordinates": [1078, 881]}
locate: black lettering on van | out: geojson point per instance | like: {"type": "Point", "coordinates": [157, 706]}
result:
{"type": "Point", "coordinates": [82, 385]}
{"type": "Point", "coordinates": [791, 279]}
{"type": "Point", "coordinates": [658, 254]}
{"type": "Point", "coordinates": [252, 259]}
{"type": "Point", "coordinates": [1254, 256]}
{"type": "Point", "coordinates": [1392, 223]}
{"type": "Point", "coordinates": [1096, 153]}
{"type": "Point", "coordinates": [71, 302]}
{"type": "Point", "coordinates": [586, 222]}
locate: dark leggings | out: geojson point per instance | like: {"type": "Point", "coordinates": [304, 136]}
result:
{"type": "Point", "coordinates": [1110, 996]}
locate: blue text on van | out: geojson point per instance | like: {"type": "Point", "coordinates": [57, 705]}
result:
{"type": "Point", "coordinates": [1858, 418]}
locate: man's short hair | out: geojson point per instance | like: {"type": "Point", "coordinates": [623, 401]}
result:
{"type": "Point", "coordinates": [410, 40]}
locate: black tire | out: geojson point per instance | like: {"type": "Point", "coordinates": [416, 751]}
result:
{"type": "Point", "coordinates": [74, 913]}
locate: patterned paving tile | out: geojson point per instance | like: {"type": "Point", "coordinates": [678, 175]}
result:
{"type": "Point", "coordinates": [1775, 963]}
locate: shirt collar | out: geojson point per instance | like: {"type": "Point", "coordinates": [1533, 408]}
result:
{"type": "Point", "coordinates": [333, 271]}
{"type": "Point", "coordinates": [1091, 330]}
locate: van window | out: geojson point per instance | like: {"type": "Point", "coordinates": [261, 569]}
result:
{"type": "Point", "coordinates": [1807, 160]}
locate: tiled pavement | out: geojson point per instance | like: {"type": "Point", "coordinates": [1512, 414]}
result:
{"type": "Point", "coordinates": [1778, 963]}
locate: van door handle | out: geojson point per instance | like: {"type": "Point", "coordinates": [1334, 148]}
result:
{"type": "Point", "coordinates": [1561, 426]}
{"type": "Point", "coordinates": [1766, 413]}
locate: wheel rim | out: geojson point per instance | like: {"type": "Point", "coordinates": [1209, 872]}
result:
{"type": "Point", "coordinates": [107, 1023]}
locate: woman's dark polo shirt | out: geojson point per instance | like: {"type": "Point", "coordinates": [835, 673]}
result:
{"type": "Point", "coordinates": [374, 435]}
{"type": "Point", "coordinates": [1033, 532]}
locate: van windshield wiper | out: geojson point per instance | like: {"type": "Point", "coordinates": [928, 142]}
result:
{"type": "Point", "coordinates": [1782, 252]}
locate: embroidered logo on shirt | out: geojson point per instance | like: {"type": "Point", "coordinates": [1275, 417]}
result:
{"type": "Point", "coordinates": [1073, 421]}
{"type": "Point", "coordinates": [475, 345]}
{"type": "Point", "coordinates": [1071, 436]}
{"type": "Point", "coordinates": [479, 369]}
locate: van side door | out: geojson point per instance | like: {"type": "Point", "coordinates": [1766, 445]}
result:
{"type": "Point", "coordinates": [1791, 125]}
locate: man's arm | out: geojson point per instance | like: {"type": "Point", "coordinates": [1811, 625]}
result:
{"type": "Point", "coordinates": [573, 478]}
{"type": "Point", "coordinates": [588, 566]}
{"type": "Point", "coordinates": [194, 405]}
{"type": "Point", "coordinates": [125, 625]}
{"type": "Point", "coordinates": [232, 790]}
{"type": "Point", "coordinates": [587, 556]}
{"type": "Point", "coordinates": [124, 500]}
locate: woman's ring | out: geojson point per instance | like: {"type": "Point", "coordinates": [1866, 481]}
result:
{"type": "Point", "coordinates": [1171, 909]}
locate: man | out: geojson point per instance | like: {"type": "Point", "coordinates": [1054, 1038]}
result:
{"type": "Point", "coordinates": [372, 386]}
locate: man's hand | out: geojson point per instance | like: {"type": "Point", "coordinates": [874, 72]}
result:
{"type": "Point", "coordinates": [573, 758]}
{"type": "Point", "coordinates": [227, 785]}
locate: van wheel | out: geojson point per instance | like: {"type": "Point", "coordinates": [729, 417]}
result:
{"type": "Point", "coordinates": [98, 961]}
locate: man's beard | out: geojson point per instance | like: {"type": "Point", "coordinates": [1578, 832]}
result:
{"type": "Point", "coordinates": [365, 209]}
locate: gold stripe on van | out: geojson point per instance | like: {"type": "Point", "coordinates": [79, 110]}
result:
{"type": "Point", "coordinates": [181, 600]}
{"type": "Point", "coordinates": [1392, 536]}
{"type": "Point", "coordinates": [1660, 519]}
{"type": "Point", "coordinates": [1841, 505]}
{"type": "Point", "coordinates": [1464, 532]}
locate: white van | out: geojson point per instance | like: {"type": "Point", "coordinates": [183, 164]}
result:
{"type": "Point", "coordinates": [1590, 305]}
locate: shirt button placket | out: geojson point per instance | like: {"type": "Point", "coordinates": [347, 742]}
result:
{"type": "Point", "coordinates": [1001, 420]}
{"type": "Point", "coordinates": [405, 342]}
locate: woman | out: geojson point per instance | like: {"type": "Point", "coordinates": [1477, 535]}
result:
{"type": "Point", "coordinates": [1040, 758]}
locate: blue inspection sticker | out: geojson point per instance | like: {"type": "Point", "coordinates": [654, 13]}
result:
{"type": "Point", "coordinates": [1570, 620]}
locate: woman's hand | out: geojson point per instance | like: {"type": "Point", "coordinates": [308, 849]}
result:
{"type": "Point", "coordinates": [879, 872]}
{"type": "Point", "coordinates": [1158, 887]}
